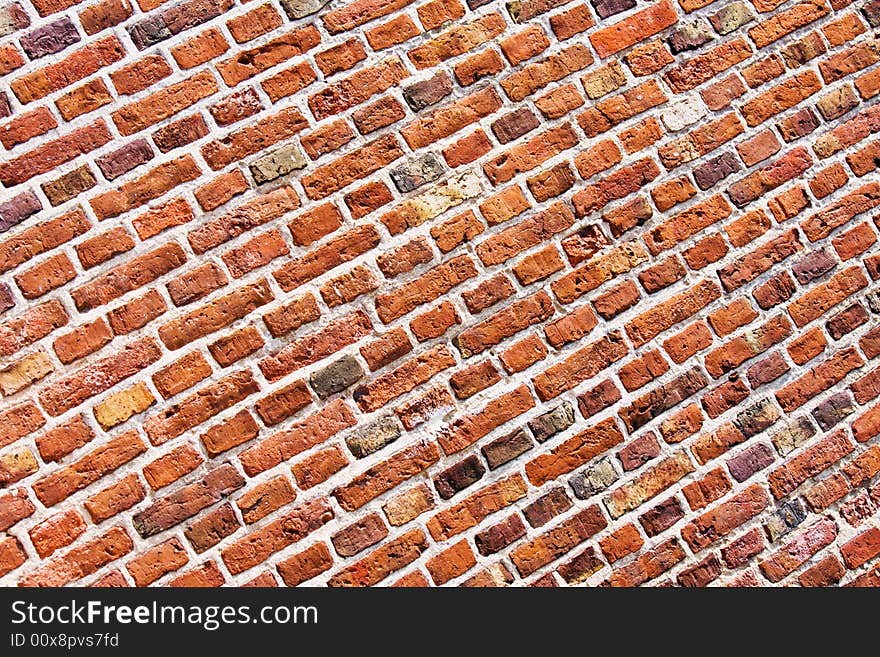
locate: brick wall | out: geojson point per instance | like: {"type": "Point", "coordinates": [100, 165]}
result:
{"type": "Point", "coordinates": [431, 293]}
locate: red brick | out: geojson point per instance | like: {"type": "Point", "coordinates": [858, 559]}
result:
{"type": "Point", "coordinates": [574, 452]}
{"type": "Point", "coordinates": [635, 28]}
{"type": "Point", "coordinates": [475, 508]}
{"type": "Point", "coordinates": [668, 313]}
{"type": "Point", "coordinates": [172, 466]}
{"type": "Point", "coordinates": [200, 406]}
{"type": "Point", "coordinates": [139, 191]}
{"type": "Point", "coordinates": [283, 445]}
{"type": "Point", "coordinates": [81, 561]}
{"type": "Point", "coordinates": [186, 502]}
{"type": "Point", "coordinates": [206, 575]}
{"type": "Point", "coordinates": [466, 430]}
{"type": "Point", "coordinates": [252, 62]}
{"type": "Point", "coordinates": [808, 463]}
{"type": "Point", "coordinates": [862, 548]}
{"type": "Point", "coordinates": [200, 48]}
{"type": "Point", "coordinates": [277, 535]}
{"type": "Point", "coordinates": [562, 538]}
{"type": "Point", "coordinates": [305, 565]}
{"type": "Point", "coordinates": [256, 22]}
{"type": "Point", "coordinates": [319, 467]}
{"type": "Point", "coordinates": [12, 554]}
{"type": "Point", "coordinates": [238, 429]}
{"type": "Point", "coordinates": [262, 499]}
{"type": "Point", "coordinates": [157, 562]}
{"type": "Point", "coordinates": [531, 154]}
{"type": "Point", "coordinates": [451, 118]}
{"type": "Point", "coordinates": [456, 40]}
{"type": "Point", "coordinates": [57, 531]}
{"type": "Point", "coordinates": [15, 506]}
{"type": "Point", "coordinates": [828, 572]}
{"type": "Point", "coordinates": [486, 63]}
{"type": "Point", "coordinates": [360, 12]}
{"type": "Point", "coordinates": [649, 565]}
{"type": "Point", "coordinates": [393, 32]}
{"type": "Point", "coordinates": [63, 439]}
{"type": "Point", "coordinates": [215, 315]}
{"type": "Point", "coordinates": [725, 517]}
{"type": "Point", "coordinates": [381, 562]}
{"type": "Point", "coordinates": [786, 22]}
{"type": "Point", "coordinates": [103, 15]}
{"type": "Point", "coordinates": [74, 67]}
{"type": "Point", "coordinates": [253, 138]}
{"type": "Point", "coordinates": [703, 67]}
{"type": "Point", "coordinates": [798, 550]}
{"type": "Point", "coordinates": [31, 326]}
{"type": "Point", "coordinates": [73, 389]}
{"type": "Point", "coordinates": [386, 475]}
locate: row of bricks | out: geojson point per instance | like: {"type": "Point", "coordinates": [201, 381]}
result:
{"type": "Point", "coordinates": [699, 534]}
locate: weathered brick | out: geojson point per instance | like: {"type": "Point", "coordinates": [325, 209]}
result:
{"type": "Point", "coordinates": [561, 262]}
{"type": "Point", "coordinates": [81, 561]}
{"type": "Point", "coordinates": [200, 406]}
{"type": "Point", "coordinates": [286, 530]}
{"type": "Point", "coordinates": [397, 468]}
{"type": "Point", "coordinates": [105, 459]}
{"type": "Point", "coordinates": [73, 389]}
{"type": "Point", "coordinates": [633, 29]}
{"type": "Point", "coordinates": [563, 537]}
{"type": "Point", "coordinates": [574, 452]}
{"type": "Point", "coordinates": [186, 502]}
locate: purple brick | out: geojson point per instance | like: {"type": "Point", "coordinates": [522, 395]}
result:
{"type": "Point", "coordinates": [833, 410]}
{"type": "Point", "coordinates": [148, 32]}
{"type": "Point", "coordinates": [185, 15]}
{"type": "Point", "coordinates": [813, 266]}
{"type": "Point", "coordinates": [428, 92]}
{"type": "Point", "coordinates": [715, 170]}
{"type": "Point", "coordinates": [459, 476]}
{"type": "Point", "coordinates": [495, 538]}
{"type": "Point", "coordinates": [847, 321]}
{"type": "Point", "coordinates": [547, 507]}
{"type": "Point", "coordinates": [514, 125]}
{"type": "Point", "coordinates": [767, 370]}
{"type": "Point", "coordinates": [799, 124]}
{"type": "Point", "coordinates": [7, 301]}
{"type": "Point", "coordinates": [755, 458]}
{"type": "Point", "coordinates": [180, 133]}
{"type": "Point", "coordinates": [18, 209]}
{"type": "Point", "coordinates": [598, 398]}
{"type": "Point", "coordinates": [49, 39]}
{"type": "Point", "coordinates": [125, 159]}
{"type": "Point", "coordinates": [662, 516]}
{"type": "Point", "coordinates": [606, 8]}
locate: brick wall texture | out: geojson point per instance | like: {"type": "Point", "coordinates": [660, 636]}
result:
{"type": "Point", "coordinates": [456, 292]}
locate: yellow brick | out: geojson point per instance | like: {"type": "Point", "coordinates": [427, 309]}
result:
{"type": "Point", "coordinates": [120, 406]}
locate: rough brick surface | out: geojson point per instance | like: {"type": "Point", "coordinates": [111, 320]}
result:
{"type": "Point", "coordinates": [492, 293]}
